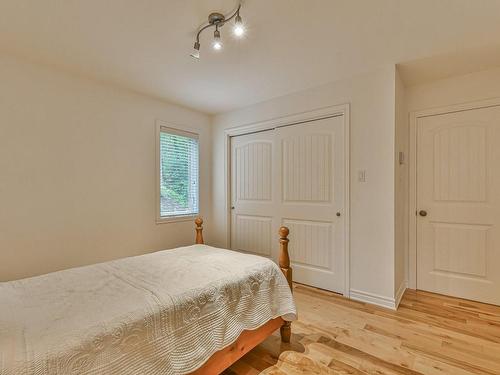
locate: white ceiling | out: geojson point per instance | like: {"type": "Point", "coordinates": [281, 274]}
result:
{"type": "Point", "coordinates": [291, 45]}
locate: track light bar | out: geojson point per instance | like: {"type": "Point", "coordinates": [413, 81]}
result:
{"type": "Point", "coordinates": [218, 20]}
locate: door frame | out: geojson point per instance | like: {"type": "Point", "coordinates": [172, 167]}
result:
{"type": "Point", "coordinates": [287, 120]}
{"type": "Point", "coordinates": [412, 212]}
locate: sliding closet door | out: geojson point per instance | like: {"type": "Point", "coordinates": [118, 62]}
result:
{"type": "Point", "coordinates": [253, 194]}
{"type": "Point", "coordinates": [312, 200]}
{"type": "Point", "coordinates": [293, 176]}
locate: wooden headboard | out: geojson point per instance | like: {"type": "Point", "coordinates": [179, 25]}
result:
{"type": "Point", "coordinates": [199, 231]}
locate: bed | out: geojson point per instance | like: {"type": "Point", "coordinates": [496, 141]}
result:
{"type": "Point", "coordinates": [190, 310]}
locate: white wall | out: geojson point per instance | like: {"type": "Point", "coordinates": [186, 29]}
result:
{"type": "Point", "coordinates": [372, 98]}
{"type": "Point", "coordinates": [401, 190]}
{"type": "Point", "coordinates": [77, 171]}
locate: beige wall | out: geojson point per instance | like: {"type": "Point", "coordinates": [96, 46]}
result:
{"type": "Point", "coordinates": [401, 189]}
{"type": "Point", "coordinates": [77, 162]}
{"type": "Point", "coordinates": [372, 98]}
{"type": "Point", "coordinates": [456, 90]}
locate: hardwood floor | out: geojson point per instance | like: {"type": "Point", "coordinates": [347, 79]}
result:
{"type": "Point", "coordinates": [429, 334]}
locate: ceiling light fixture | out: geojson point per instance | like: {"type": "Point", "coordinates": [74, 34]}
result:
{"type": "Point", "coordinates": [218, 20]}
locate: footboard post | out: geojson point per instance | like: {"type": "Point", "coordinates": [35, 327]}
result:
{"type": "Point", "coordinates": [284, 263]}
{"type": "Point", "coordinates": [199, 230]}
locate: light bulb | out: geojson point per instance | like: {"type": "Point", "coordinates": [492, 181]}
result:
{"type": "Point", "coordinates": [238, 29]}
{"type": "Point", "coordinates": [217, 43]}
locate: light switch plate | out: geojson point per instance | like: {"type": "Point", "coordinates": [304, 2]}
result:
{"type": "Point", "coordinates": [401, 157]}
{"type": "Point", "coordinates": [362, 175]}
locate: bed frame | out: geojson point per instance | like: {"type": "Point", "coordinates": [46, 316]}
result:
{"type": "Point", "coordinates": [248, 340]}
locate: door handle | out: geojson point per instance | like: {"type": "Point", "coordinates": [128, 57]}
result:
{"type": "Point", "coordinates": [338, 214]}
{"type": "Point", "coordinates": [422, 213]}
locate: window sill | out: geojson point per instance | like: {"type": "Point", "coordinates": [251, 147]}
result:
{"type": "Point", "coordinates": [176, 219]}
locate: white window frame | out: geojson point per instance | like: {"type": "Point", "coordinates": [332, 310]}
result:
{"type": "Point", "coordinates": [185, 132]}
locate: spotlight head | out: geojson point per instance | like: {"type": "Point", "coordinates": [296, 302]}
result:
{"type": "Point", "coordinates": [238, 29]}
{"type": "Point", "coordinates": [217, 43]}
{"type": "Point", "coordinates": [196, 50]}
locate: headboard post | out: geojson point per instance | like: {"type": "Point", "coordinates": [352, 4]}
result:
{"type": "Point", "coordinates": [284, 263]}
{"type": "Point", "coordinates": [284, 260]}
{"type": "Point", "coordinates": [199, 230]}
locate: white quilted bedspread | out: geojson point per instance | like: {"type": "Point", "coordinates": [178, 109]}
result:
{"type": "Point", "coordinates": [160, 313]}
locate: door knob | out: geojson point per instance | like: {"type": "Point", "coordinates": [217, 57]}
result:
{"type": "Point", "coordinates": [232, 207]}
{"type": "Point", "coordinates": [338, 213]}
{"type": "Point", "coordinates": [422, 213]}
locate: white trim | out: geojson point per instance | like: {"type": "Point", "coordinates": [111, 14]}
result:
{"type": "Point", "coordinates": [184, 131]}
{"type": "Point", "coordinates": [227, 187]}
{"type": "Point", "coordinates": [177, 218]}
{"type": "Point", "coordinates": [347, 197]}
{"type": "Point", "coordinates": [492, 102]}
{"type": "Point", "coordinates": [400, 293]}
{"type": "Point", "coordinates": [180, 132]}
{"type": "Point", "coordinates": [374, 299]}
{"type": "Point", "coordinates": [412, 222]}
{"type": "Point", "coordinates": [297, 118]}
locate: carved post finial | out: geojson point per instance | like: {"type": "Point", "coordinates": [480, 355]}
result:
{"type": "Point", "coordinates": [199, 230]}
{"type": "Point", "coordinates": [284, 232]}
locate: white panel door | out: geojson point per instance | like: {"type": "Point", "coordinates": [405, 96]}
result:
{"type": "Point", "coordinates": [253, 194]}
{"type": "Point", "coordinates": [293, 176]}
{"type": "Point", "coordinates": [312, 184]}
{"type": "Point", "coordinates": [458, 200]}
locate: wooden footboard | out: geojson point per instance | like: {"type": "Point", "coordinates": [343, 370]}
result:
{"type": "Point", "coordinates": [249, 339]}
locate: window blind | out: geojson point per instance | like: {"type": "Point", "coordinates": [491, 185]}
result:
{"type": "Point", "coordinates": [179, 174]}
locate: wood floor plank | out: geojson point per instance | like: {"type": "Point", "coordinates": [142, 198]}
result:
{"type": "Point", "coordinates": [430, 334]}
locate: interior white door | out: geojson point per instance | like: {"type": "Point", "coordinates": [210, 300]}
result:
{"type": "Point", "coordinates": [458, 191]}
{"type": "Point", "coordinates": [294, 176]}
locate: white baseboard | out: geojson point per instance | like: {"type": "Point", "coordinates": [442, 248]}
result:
{"type": "Point", "coordinates": [400, 293]}
{"type": "Point", "coordinates": [375, 299]}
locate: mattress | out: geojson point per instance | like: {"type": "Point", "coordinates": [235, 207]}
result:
{"type": "Point", "coordinates": [160, 313]}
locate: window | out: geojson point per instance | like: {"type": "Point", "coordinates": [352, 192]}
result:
{"type": "Point", "coordinates": [178, 173]}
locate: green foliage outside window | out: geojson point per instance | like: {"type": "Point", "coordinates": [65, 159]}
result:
{"type": "Point", "coordinates": [179, 174]}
